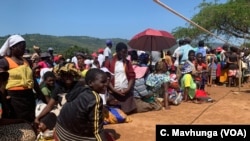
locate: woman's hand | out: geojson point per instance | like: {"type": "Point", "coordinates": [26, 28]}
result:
{"type": "Point", "coordinates": [118, 92]}
{"type": "Point", "coordinates": [125, 91]}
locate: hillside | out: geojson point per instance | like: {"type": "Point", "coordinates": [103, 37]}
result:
{"type": "Point", "coordinates": [62, 43]}
{"type": "Point", "coordinates": [67, 44]}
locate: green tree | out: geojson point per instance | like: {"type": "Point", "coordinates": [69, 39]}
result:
{"type": "Point", "coordinates": [69, 52]}
{"type": "Point", "coordinates": [230, 19]}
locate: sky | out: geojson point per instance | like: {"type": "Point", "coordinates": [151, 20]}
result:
{"type": "Point", "coordinates": [95, 18]}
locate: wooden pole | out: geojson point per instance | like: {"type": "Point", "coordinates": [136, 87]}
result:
{"type": "Point", "coordinates": [240, 73]}
{"type": "Point", "coordinates": [188, 20]}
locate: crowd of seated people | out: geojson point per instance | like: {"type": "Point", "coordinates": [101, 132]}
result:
{"type": "Point", "coordinates": [94, 88]}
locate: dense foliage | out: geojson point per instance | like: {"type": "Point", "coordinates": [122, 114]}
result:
{"type": "Point", "coordinates": [228, 20]}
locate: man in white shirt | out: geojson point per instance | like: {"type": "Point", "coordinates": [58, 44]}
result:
{"type": "Point", "coordinates": [107, 51]}
{"type": "Point", "coordinates": [184, 50]}
{"type": "Point", "coordinates": [181, 43]}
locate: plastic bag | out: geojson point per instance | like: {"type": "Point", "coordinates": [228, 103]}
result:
{"type": "Point", "coordinates": [40, 105]}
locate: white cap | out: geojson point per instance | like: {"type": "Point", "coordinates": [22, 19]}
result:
{"type": "Point", "coordinates": [68, 60]}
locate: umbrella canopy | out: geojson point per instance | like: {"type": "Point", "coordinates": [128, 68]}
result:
{"type": "Point", "coordinates": [152, 40]}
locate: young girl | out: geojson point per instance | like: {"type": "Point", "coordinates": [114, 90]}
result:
{"type": "Point", "coordinates": [81, 118]}
{"type": "Point", "coordinates": [48, 84]}
{"type": "Point", "coordinates": [201, 69]}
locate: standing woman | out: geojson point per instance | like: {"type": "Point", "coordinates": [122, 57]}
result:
{"type": "Point", "coordinates": [21, 81]}
{"type": "Point", "coordinates": [233, 68]}
{"type": "Point", "coordinates": [12, 129]}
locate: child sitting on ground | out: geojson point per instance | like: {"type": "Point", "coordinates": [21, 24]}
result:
{"type": "Point", "coordinates": [174, 87]}
{"type": "Point", "coordinates": [46, 127]}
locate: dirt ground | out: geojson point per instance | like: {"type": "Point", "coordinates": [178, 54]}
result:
{"type": "Point", "coordinates": [231, 106]}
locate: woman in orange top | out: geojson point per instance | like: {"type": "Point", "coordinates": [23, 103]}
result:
{"type": "Point", "coordinates": [20, 95]}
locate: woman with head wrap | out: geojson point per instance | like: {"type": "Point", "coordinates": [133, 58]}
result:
{"type": "Point", "coordinates": [21, 81]}
{"type": "Point", "coordinates": [69, 80]}
{"type": "Point", "coordinates": [158, 83]}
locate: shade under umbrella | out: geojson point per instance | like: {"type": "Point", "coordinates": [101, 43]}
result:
{"type": "Point", "coordinates": [152, 40]}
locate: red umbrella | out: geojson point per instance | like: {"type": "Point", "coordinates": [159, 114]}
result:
{"type": "Point", "coordinates": [152, 40]}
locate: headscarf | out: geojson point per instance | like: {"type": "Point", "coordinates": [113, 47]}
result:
{"type": "Point", "coordinates": [143, 58]}
{"type": "Point", "coordinates": [10, 42]}
{"type": "Point", "coordinates": [67, 68]}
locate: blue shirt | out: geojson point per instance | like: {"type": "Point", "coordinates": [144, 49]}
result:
{"type": "Point", "coordinates": [184, 52]}
{"type": "Point", "coordinates": [201, 50]}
